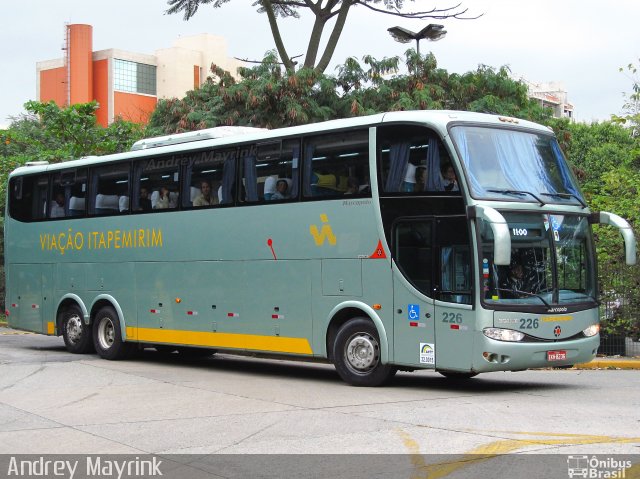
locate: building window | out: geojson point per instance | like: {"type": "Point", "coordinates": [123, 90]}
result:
{"type": "Point", "coordinates": [134, 77]}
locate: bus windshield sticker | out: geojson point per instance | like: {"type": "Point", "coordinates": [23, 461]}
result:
{"type": "Point", "coordinates": [427, 353]}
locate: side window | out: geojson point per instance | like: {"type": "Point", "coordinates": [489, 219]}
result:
{"type": "Point", "coordinates": [336, 165]}
{"type": "Point", "coordinates": [68, 194]}
{"type": "Point", "coordinates": [413, 160]}
{"type": "Point", "coordinates": [157, 185]}
{"type": "Point", "coordinates": [209, 178]}
{"type": "Point", "coordinates": [109, 190]}
{"type": "Point", "coordinates": [272, 174]}
{"type": "Point", "coordinates": [28, 198]}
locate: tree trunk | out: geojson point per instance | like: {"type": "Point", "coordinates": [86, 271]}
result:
{"type": "Point", "coordinates": [275, 32]}
{"type": "Point", "coordinates": [335, 36]}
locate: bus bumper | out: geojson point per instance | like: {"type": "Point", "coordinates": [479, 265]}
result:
{"type": "Point", "coordinates": [491, 355]}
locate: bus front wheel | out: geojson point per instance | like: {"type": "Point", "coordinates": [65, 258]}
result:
{"type": "Point", "coordinates": [356, 354]}
{"type": "Point", "coordinates": [107, 335]}
{"type": "Point", "coordinates": [76, 333]}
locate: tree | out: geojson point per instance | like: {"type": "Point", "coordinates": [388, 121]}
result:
{"type": "Point", "coordinates": [48, 132]}
{"type": "Point", "coordinates": [269, 96]}
{"type": "Point", "coordinates": [631, 106]}
{"type": "Point", "coordinates": [606, 160]}
{"type": "Point", "coordinates": [323, 14]}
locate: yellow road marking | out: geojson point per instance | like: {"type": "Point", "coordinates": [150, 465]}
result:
{"type": "Point", "coordinates": [488, 451]}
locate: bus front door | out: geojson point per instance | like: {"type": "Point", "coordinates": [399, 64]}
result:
{"type": "Point", "coordinates": [454, 316]}
{"type": "Point", "coordinates": [413, 324]}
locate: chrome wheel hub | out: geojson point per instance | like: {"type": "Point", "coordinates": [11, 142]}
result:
{"type": "Point", "coordinates": [362, 352]}
{"type": "Point", "coordinates": [106, 333]}
{"type": "Point", "coordinates": [74, 329]}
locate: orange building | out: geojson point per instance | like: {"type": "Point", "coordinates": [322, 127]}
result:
{"type": "Point", "coordinates": [126, 84]}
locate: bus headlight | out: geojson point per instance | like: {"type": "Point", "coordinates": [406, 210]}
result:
{"type": "Point", "coordinates": [503, 334]}
{"type": "Point", "coordinates": [591, 330]}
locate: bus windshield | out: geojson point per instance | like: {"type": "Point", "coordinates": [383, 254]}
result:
{"type": "Point", "coordinates": [504, 164]}
{"type": "Point", "coordinates": [550, 262]}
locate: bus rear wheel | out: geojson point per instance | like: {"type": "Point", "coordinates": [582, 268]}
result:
{"type": "Point", "coordinates": [75, 332]}
{"type": "Point", "coordinates": [107, 335]}
{"type": "Point", "coordinates": [356, 354]}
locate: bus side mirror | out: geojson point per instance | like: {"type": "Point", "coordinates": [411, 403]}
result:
{"type": "Point", "coordinates": [500, 229]}
{"type": "Point", "coordinates": [605, 218]}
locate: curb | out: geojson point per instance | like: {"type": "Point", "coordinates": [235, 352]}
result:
{"type": "Point", "coordinates": [611, 363]}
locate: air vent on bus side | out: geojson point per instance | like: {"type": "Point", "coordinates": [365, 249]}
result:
{"type": "Point", "coordinates": [208, 134]}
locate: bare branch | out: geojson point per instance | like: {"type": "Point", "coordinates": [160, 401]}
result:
{"type": "Point", "coordinates": [436, 13]}
{"type": "Point", "coordinates": [246, 60]}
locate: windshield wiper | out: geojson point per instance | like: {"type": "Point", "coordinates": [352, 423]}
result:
{"type": "Point", "coordinates": [525, 293]}
{"type": "Point", "coordinates": [518, 193]}
{"type": "Point", "coordinates": [567, 196]}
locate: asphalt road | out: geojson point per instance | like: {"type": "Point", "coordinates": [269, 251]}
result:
{"type": "Point", "coordinates": [55, 402]}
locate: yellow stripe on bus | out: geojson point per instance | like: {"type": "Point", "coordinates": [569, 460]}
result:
{"type": "Point", "coordinates": [275, 344]}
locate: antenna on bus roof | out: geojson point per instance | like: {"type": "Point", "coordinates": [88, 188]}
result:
{"type": "Point", "coordinates": [208, 134]}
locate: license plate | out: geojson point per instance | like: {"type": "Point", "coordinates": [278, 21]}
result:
{"type": "Point", "coordinates": [556, 355]}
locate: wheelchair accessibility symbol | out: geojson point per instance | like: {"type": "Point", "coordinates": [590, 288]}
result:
{"type": "Point", "coordinates": [413, 311]}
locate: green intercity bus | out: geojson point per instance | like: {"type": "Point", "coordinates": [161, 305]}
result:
{"type": "Point", "coordinates": [443, 240]}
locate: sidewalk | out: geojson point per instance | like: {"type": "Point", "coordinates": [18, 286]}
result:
{"type": "Point", "coordinates": [611, 362]}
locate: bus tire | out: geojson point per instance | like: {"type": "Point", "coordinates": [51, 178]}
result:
{"type": "Point", "coordinates": [356, 354]}
{"type": "Point", "coordinates": [107, 335]}
{"type": "Point", "coordinates": [75, 332]}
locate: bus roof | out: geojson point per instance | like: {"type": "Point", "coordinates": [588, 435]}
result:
{"type": "Point", "coordinates": [221, 136]}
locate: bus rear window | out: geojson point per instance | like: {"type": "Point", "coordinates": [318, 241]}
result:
{"type": "Point", "coordinates": [28, 197]}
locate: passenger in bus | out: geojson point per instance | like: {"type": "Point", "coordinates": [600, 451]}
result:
{"type": "Point", "coordinates": [324, 183]}
{"type": "Point", "coordinates": [343, 181]}
{"type": "Point", "coordinates": [205, 198]}
{"type": "Point", "coordinates": [270, 186]}
{"type": "Point", "coordinates": [164, 200]}
{"type": "Point", "coordinates": [145, 201]}
{"type": "Point", "coordinates": [450, 180]}
{"type": "Point", "coordinates": [353, 186]}
{"type": "Point", "coordinates": [409, 183]}
{"type": "Point", "coordinates": [421, 179]}
{"type": "Point", "coordinates": [57, 208]}
{"type": "Point", "coordinates": [282, 190]}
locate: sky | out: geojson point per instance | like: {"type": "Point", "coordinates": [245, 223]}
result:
{"type": "Point", "coordinates": [579, 43]}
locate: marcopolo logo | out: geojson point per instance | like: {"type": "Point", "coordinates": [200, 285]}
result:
{"type": "Point", "coordinates": [597, 468]}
